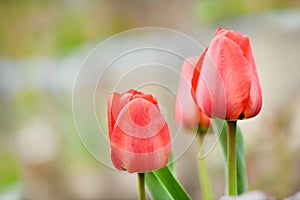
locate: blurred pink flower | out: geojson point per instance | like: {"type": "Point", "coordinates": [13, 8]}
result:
{"type": "Point", "coordinates": [187, 112]}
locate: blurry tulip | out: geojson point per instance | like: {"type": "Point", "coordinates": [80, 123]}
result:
{"type": "Point", "coordinates": [227, 86]}
{"type": "Point", "coordinates": [138, 133]}
{"type": "Point", "coordinates": [187, 112]}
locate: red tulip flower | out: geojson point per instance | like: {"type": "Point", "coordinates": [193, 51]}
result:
{"type": "Point", "coordinates": [187, 112]}
{"type": "Point", "coordinates": [225, 80]}
{"type": "Point", "coordinates": [138, 133]}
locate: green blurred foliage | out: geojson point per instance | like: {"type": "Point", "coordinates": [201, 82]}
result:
{"type": "Point", "coordinates": [52, 28]}
{"type": "Point", "coordinates": [9, 170]}
{"type": "Point", "coordinates": [27, 104]}
{"type": "Point", "coordinates": [210, 11]}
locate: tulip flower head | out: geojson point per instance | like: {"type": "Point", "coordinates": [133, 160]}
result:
{"type": "Point", "coordinates": [225, 79]}
{"type": "Point", "coordinates": [138, 133]}
{"type": "Point", "coordinates": [187, 113]}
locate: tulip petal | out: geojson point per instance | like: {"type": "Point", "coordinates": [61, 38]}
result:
{"type": "Point", "coordinates": [112, 105]}
{"type": "Point", "coordinates": [228, 86]}
{"type": "Point", "coordinates": [140, 118]}
{"type": "Point", "coordinates": [196, 75]}
{"type": "Point", "coordinates": [139, 162]}
{"type": "Point", "coordinates": [116, 102]}
{"type": "Point", "coordinates": [148, 97]}
{"type": "Point", "coordinates": [254, 103]}
{"type": "Point", "coordinates": [187, 115]}
{"type": "Point", "coordinates": [140, 154]}
{"type": "Point", "coordinates": [139, 135]}
{"type": "Point", "coordinates": [226, 68]}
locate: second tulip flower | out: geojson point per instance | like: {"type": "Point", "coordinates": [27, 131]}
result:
{"type": "Point", "coordinates": [225, 81]}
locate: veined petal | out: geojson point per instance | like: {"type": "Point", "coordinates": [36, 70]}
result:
{"type": "Point", "coordinates": [136, 154]}
{"type": "Point", "coordinates": [235, 72]}
{"type": "Point", "coordinates": [254, 103]}
{"type": "Point", "coordinates": [140, 118]}
{"type": "Point", "coordinates": [139, 138]}
{"type": "Point", "coordinates": [139, 162]}
{"type": "Point", "coordinates": [228, 86]}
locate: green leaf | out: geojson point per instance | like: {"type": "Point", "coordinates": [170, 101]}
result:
{"type": "Point", "coordinates": [220, 129]}
{"type": "Point", "coordinates": [162, 184]}
{"type": "Point", "coordinates": [241, 163]}
{"type": "Point", "coordinates": [156, 188]}
{"type": "Point", "coordinates": [171, 163]}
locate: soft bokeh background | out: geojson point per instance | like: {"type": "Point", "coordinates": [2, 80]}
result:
{"type": "Point", "coordinates": [42, 44]}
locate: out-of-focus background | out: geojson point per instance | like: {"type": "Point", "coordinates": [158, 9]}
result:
{"type": "Point", "coordinates": [43, 43]}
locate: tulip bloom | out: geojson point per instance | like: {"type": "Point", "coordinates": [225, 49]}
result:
{"type": "Point", "coordinates": [138, 133]}
{"type": "Point", "coordinates": [225, 80]}
{"type": "Point", "coordinates": [187, 112]}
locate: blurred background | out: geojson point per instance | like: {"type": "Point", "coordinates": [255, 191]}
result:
{"type": "Point", "coordinates": [42, 45]}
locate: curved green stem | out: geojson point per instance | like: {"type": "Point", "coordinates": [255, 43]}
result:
{"type": "Point", "coordinates": [141, 186]}
{"type": "Point", "coordinates": [203, 174]}
{"type": "Point", "coordinates": [231, 158]}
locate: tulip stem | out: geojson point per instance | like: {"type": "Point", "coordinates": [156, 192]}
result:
{"type": "Point", "coordinates": [141, 186]}
{"type": "Point", "coordinates": [203, 173]}
{"type": "Point", "coordinates": [231, 158]}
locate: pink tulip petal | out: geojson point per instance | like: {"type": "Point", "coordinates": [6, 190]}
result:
{"type": "Point", "coordinates": [116, 102]}
{"type": "Point", "coordinates": [235, 76]}
{"type": "Point", "coordinates": [139, 162]}
{"type": "Point", "coordinates": [139, 135]}
{"type": "Point", "coordinates": [210, 92]}
{"type": "Point", "coordinates": [140, 118]}
{"type": "Point", "coordinates": [225, 80]}
{"type": "Point", "coordinates": [254, 103]}
{"type": "Point", "coordinates": [140, 154]}
{"type": "Point", "coordinates": [186, 110]}
{"type": "Point", "coordinates": [196, 75]}
{"type": "Point", "coordinates": [112, 105]}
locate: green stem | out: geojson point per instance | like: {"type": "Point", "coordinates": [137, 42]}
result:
{"type": "Point", "coordinates": [231, 158]}
{"type": "Point", "coordinates": [141, 186]}
{"type": "Point", "coordinates": [203, 174]}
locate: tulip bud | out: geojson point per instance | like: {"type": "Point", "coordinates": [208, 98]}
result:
{"type": "Point", "coordinates": [187, 112]}
{"type": "Point", "coordinates": [225, 80]}
{"type": "Point", "coordinates": [138, 133]}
